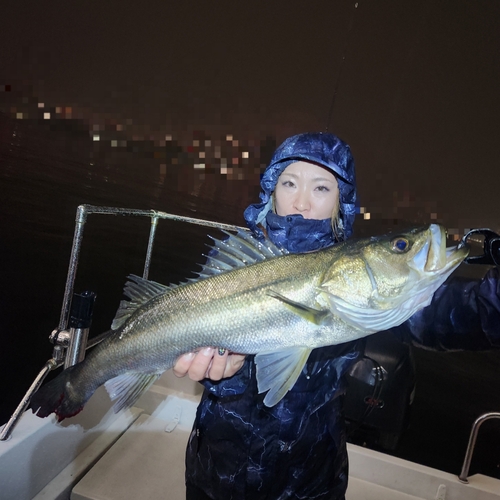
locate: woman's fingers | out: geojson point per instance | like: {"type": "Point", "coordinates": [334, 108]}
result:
{"type": "Point", "coordinates": [209, 362]}
{"type": "Point", "coordinates": [234, 363]}
{"type": "Point", "coordinates": [182, 364]}
{"type": "Point", "coordinates": [201, 363]}
{"type": "Point", "coordinates": [217, 369]}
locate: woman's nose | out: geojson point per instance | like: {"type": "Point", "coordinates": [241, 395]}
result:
{"type": "Point", "coordinates": [302, 202]}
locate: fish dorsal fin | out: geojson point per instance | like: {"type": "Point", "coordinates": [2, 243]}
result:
{"type": "Point", "coordinates": [139, 291]}
{"type": "Point", "coordinates": [127, 388]}
{"type": "Point", "coordinates": [278, 371]}
{"type": "Point", "coordinates": [237, 250]}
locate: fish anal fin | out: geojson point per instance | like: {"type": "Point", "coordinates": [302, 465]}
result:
{"type": "Point", "coordinates": [278, 371]}
{"type": "Point", "coordinates": [316, 316]}
{"type": "Point", "coordinates": [127, 388]}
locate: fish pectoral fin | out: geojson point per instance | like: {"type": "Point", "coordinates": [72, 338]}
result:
{"type": "Point", "coordinates": [278, 371]}
{"type": "Point", "coordinates": [371, 319]}
{"type": "Point", "coordinates": [316, 316]}
{"type": "Point", "coordinates": [127, 388]}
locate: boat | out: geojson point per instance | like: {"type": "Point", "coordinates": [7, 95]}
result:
{"type": "Point", "coordinates": [139, 452]}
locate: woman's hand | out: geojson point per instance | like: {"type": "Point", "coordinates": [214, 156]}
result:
{"type": "Point", "coordinates": [209, 362]}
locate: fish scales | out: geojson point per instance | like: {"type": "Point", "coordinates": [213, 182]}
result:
{"type": "Point", "coordinates": [222, 298]}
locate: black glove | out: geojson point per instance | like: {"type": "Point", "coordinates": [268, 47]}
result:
{"type": "Point", "coordinates": [491, 247]}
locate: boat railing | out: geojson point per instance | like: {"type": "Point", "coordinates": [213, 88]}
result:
{"type": "Point", "coordinates": [70, 344]}
{"type": "Point", "coordinates": [472, 443]}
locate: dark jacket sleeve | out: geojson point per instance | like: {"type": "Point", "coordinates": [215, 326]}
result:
{"type": "Point", "coordinates": [464, 315]}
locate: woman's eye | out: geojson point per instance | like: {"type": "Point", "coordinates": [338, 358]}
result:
{"type": "Point", "coordinates": [288, 184]}
{"type": "Point", "coordinates": [400, 244]}
{"type": "Point", "coordinates": [323, 188]}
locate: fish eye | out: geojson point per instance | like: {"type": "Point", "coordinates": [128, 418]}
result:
{"type": "Point", "coordinates": [400, 245]}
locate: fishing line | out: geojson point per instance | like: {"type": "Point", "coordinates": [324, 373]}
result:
{"type": "Point", "coordinates": [342, 63]}
{"type": "Point", "coordinates": [377, 390]}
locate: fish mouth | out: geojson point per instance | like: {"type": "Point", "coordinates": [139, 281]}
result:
{"type": "Point", "coordinates": [435, 256]}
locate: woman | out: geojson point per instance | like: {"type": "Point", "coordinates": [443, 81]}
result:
{"type": "Point", "coordinates": [241, 449]}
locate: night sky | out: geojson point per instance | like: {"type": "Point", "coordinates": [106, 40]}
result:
{"type": "Point", "coordinates": [417, 81]}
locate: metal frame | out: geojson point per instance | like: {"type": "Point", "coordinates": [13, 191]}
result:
{"type": "Point", "coordinates": [472, 443]}
{"type": "Point", "coordinates": [81, 218]}
{"type": "Point", "coordinates": [60, 336]}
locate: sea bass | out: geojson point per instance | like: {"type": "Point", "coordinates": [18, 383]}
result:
{"type": "Point", "coordinates": [253, 298]}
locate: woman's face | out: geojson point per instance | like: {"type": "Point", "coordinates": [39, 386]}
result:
{"type": "Point", "coordinates": [306, 189]}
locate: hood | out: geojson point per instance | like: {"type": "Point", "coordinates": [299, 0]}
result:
{"type": "Point", "coordinates": [325, 150]}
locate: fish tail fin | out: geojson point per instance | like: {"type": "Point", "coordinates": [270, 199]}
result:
{"type": "Point", "coordinates": [59, 396]}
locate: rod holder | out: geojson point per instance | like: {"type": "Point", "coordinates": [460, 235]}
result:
{"type": "Point", "coordinates": [79, 325]}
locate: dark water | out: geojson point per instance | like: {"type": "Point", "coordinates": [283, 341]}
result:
{"type": "Point", "coordinates": [45, 174]}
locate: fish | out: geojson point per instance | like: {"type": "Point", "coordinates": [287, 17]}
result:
{"type": "Point", "coordinates": [254, 298]}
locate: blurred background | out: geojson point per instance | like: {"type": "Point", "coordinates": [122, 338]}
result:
{"type": "Point", "coordinates": [178, 106]}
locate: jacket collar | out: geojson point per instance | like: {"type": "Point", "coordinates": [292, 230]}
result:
{"type": "Point", "coordinates": [297, 235]}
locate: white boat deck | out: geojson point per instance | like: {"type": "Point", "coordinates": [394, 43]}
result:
{"type": "Point", "coordinates": [154, 446]}
{"type": "Point", "coordinates": [140, 454]}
